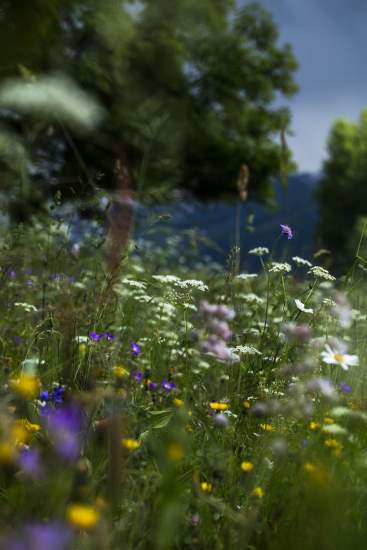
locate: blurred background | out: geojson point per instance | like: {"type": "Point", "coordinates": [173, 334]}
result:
{"type": "Point", "coordinates": [213, 119]}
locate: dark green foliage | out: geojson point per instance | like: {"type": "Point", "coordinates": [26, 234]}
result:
{"type": "Point", "coordinates": [343, 188]}
{"type": "Point", "coordinates": [188, 89]}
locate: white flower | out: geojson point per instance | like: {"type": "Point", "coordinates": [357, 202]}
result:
{"type": "Point", "coordinates": [301, 262]}
{"type": "Point", "coordinates": [277, 267]}
{"type": "Point", "coordinates": [82, 339]}
{"type": "Point", "coordinates": [27, 307]}
{"type": "Point", "coordinates": [332, 357]}
{"type": "Point", "coordinates": [259, 251]}
{"type": "Point", "coordinates": [246, 350]}
{"type": "Point", "coordinates": [134, 284]}
{"type": "Point", "coordinates": [321, 273]}
{"type": "Point", "coordinates": [251, 298]}
{"type": "Point", "coordinates": [301, 306]}
{"type": "Point", "coordinates": [166, 279]}
{"type": "Point", "coordinates": [334, 429]}
{"type": "Point", "coordinates": [192, 283]}
{"type": "Point", "coordinates": [246, 276]}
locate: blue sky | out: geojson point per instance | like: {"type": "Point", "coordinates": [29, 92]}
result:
{"type": "Point", "coordinates": [329, 38]}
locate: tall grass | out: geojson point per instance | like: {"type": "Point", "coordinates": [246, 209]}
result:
{"type": "Point", "coordinates": [178, 407]}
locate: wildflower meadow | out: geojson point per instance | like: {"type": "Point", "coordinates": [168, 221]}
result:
{"type": "Point", "coordinates": [172, 405]}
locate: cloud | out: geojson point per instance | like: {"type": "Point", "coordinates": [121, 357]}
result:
{"type": "Point", "coordinates": [329, 41]}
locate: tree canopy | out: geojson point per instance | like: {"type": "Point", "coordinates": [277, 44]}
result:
{"type": "Point", "coordinates": [343, 188]}
{"type": "Point", "coordinates": [190, 92]}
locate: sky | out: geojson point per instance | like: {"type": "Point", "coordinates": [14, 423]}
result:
{"type": "Point", "coordinates": [329, 39]}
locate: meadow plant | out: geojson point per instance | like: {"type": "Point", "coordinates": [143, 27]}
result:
{"type": "Point", "coordinates": [172, 407]}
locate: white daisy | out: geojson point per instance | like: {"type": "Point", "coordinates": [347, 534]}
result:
{"type": "Point", "coordinates": [301, 306]}
{"type": "Point", "coordinates": [333, 357]}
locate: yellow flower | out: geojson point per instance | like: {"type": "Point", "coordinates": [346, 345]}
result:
{"type": "Point", "coordinates": [23, 430]}
{"type": "Point", "coordinates": [328, 420]}
{"type": "Point", "coordinates": [7, 452]}
{"type": "Point", "coordinates": [247, 466]}
{"type": "Point", "coordinates": [82, 349]}
{"type": "Point", "coordinates": [247, 404]}
{"type": "Point", "coordinates": [267, 427]}
{"type": "Point", "coordinates": [314, 425]}
{"type": "Point", "coordinates": [175, 452]}
{"type": "Point", "coordinates": [82, 516]}
{"type": "Point", "coordinates": [178, 402]}
{"type": "Point", "coordinates": [27, 385]}
{"type": "Point", "coordinates": [120, 372]}
{"type": "Point", "coordinates": [130, 444]}
{"type": "Point", "coordinates": [216, 406]}
{"type": "Point", "coordinates": [206, 487]}
{"type": "Point", "coordinates": [317, 473]}
{"type": "Point", "coordinates": [335, 445]}
{"type": "Point", "coordinates": [258, 492]}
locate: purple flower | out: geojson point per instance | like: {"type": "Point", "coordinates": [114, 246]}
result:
{"type": "Point", "coordinates": [152, 386]}
{"type": "Point", "coordinates": [17, 340]}
{"type": "Point", "coordinates": [29, 461]}
{"type": "Point", "coordinates": [65, 425]}
{"type": "Point", "coordinates": [54, 535]}
{"type": "Point", "coordinates": [135, 349]}
{"type": "Point", "coordinates": [138, 375]}
{"type": "Point", "coordinates": [108, 335]}
{"type": "Point", "coordinates": [344, 387]}
{"type": "Point", "coordinates": [286, 230]}
{"type": "Point", "coordinates": [168, 386]}
{"type": "Point", "coordinates": [44, 395]}
{"type": "Point", "coordinates": [57, 395]}
{"type": "Point", "coordinates": [95, 336]}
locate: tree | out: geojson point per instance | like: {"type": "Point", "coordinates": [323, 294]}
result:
{"type": "Point", "coordinates": [188, 89]}
{"type": "Point", "coordinates": [343, 188]}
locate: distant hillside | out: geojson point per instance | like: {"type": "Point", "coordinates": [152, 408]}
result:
{"type": "Point", "coordinates": [216, 221]}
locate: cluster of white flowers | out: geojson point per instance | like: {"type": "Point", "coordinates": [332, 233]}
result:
{"type": "Point", "coordinates": [259, 251]}
{"type": "Point", "coordinates": [278, 267]}
{"type": "Point", "coordinates": [301, 306]}
{"type": "Point", "coordinates": [251, 298]}
{"type": "Point", "coordinates": [133, 289]}
{"type": "Point", "coordinates": [301, 261]}
{"type": "Point", "coordinates": [27, 307]}
{"type": "Point", "coordinates": [192, 284]}
{"type": "Point", "coordinates": [321, 273]}
{"type": "Point", "coordinates": [247, 276]}
{"type": "Point", "coordinates": [166, 279]}
{"type": "Point", "coordinates": [246, 350]}
{"type": "Point", "coordinates": [134, 284]}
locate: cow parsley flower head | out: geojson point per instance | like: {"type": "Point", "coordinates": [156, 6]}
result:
{"type": "Point", "coordinates": [301, 306]}
{"type": "Point", "coordinates": [321, 273]}
{"type": "Point", "coordinates": [278, 267]}
{"type": "Point", "coordinates": [301, 261]}
{"type": "Point", "coordinates": [192, 284]}
{"type": "Point", "coordinates": [259, 251]}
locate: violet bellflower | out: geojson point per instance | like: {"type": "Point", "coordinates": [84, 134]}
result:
{"type": "Point", "coordinates": [168, 386]}
{"type": "Point", "coordinates": [135, 349]}
{"type": "Point", "coordinates": [286, 230]}
{"type": "Point", "coordinates": [65, 425]}
{"type": "Point", "coordinates": [53, 535]}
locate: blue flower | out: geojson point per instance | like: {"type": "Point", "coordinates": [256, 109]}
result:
{"type": "Point", "coordinates": [168, 386]}
{"type": "Point", "coordinates": [135, 349]}
{"type": "Point", "coordinates": [286, 230]}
